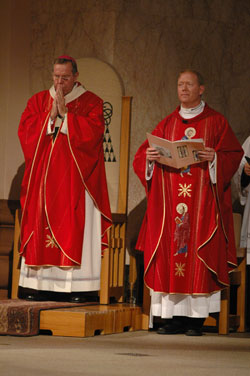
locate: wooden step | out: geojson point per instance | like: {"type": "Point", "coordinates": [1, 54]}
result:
{"type": "Point", "coordinates": [90, 320]}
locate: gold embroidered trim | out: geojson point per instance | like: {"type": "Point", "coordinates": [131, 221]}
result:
{"type": "Point", "coordinates": [46, 211]}
{"type": "Point", "coordinates": [162, 225]}
{"type": "Point", "coordinates": [31, 173]}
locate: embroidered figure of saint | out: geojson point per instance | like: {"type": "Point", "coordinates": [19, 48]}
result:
{"type": "Point", "coordinates": [189, 133]}
{"type": "Point", "coordinates": [182, 230]}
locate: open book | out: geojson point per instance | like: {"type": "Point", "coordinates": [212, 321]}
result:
{"type": "Point", "coordinates": [179, 153]}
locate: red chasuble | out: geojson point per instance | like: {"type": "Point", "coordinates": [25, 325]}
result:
{"type": "Point", "coordinates": [187, 234]}
{"type": "Point", "coordinates": [56, 178]}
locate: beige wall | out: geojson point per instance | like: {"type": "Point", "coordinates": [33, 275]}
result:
{"type": "Point", "coordinates": [14, 90]}
{"type": "Point", "coordinates": [147, 42]}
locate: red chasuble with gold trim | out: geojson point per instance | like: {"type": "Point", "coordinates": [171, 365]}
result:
{"type": "Point", "coordinates": [56, 177]}
{"type": "Point", "coordinates": [187, 233]}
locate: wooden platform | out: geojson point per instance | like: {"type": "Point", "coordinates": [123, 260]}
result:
{"type": "Point", "coordinates": [90, 320]}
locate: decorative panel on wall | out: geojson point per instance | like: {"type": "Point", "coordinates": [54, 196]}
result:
{"type": "Point", "coordinates": [101, 78]}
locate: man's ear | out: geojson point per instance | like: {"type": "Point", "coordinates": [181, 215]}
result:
{"type": "Point", "coordinates": [76, 76]}
{"type": "Point", "coordinates": [202, 89]}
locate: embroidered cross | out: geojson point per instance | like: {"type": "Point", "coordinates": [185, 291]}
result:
{"type": "Point", "coordinates": [185, 190]}
{"type": "Point", "coordinates": [180, 269]}
{"type": "Point", "coordinates": [50, 242]}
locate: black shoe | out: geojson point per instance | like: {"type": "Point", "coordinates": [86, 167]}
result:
{"type": "Point", "coordinates": [174, 326]}
{"type": "Point", "coordinates": [34, 297]}
{"type": "Point", "coordinates": [77, 299]}
{"type": "Point", "coordinates": [194, 326]}
{"type": "Point", "coordinates": [42, 296]}
{"type": "Point", "coordinates": [194, 332]}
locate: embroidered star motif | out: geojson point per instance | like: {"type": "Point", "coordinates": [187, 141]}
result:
{"type": "Point", "coordinates": [180, 269]}
{"type": "Point", "coordinates": [185, 190]}
{"type": "Point", "coordinates": [50, 242]}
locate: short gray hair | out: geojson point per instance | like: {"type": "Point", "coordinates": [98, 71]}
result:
{"type": "Point", "coordinates": [64, 61]}
{"type": "Point", "coordinates": [199, 76]}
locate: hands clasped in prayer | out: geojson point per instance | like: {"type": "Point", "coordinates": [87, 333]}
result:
{"type": "Point", "coordinates": [58, 107]}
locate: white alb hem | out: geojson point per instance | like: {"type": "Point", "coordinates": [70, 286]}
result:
{"type": "Point", "coordinates": [196, 306]}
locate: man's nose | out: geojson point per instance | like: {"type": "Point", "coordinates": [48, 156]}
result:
{"type": "Point", "coordinates": [60, 80]}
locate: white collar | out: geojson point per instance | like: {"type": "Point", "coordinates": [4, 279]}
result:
{"type": "Point", "coordinates": [189, 113]}
{"type": "Point", "coordinates": [75, 93]}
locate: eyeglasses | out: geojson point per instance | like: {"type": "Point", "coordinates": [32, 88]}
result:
{"type": "Point", "coordinates": [64, 78]}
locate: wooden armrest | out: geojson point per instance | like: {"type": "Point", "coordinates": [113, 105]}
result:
{"type": "Point", "coordinates": [119, 218]}
{"type": "Point", "coordinates": [235, 278]}
{"type": "Point", "coordinates": [241, 253]}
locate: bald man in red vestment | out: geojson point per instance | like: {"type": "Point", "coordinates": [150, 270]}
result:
{"type": "Point", "coordinates": [187, 234]}
{"type": "Point", "coordinates": [64, 196]}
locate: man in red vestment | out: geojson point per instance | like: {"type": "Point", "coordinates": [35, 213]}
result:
{"type": "Point", "coordinates": [64, 196]}
{"type": "Point", "coordinates": [187, 234]}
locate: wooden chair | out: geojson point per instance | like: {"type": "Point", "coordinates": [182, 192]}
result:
{"type": "Point", "coordinates": [113, 261]}
{"type": "Point", "coordinates": [225, 319]}
{"type": "Point", "coordinates": [16, 258]}
{"type": "Point", "coordinates": [6, 245]}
